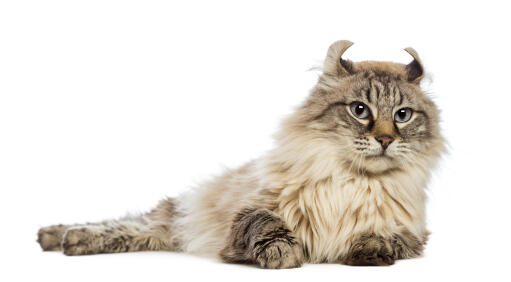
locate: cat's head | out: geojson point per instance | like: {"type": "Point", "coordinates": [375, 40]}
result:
{"type": "Point", "coordinates": [374, 115]}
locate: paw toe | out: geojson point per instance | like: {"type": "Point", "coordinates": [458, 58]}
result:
{"type": "Point", "coordinates": [78, 242]}
{"type": "Point", "coordinates": [50, 237]}
{"type": "Point", "coordinates": [376, 257]}
{"type": "Point", "coordinates": [279, 255]}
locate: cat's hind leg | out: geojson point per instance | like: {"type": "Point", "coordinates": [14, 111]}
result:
{"type": "Point", "coordinates": [116, 236]}
{"type": "Point", "coordinates": [151, 231]}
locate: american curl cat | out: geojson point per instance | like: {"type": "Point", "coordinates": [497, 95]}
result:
{"type": "Point", "coordinates": [345, 183]}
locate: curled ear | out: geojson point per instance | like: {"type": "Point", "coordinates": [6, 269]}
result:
{"type": "Point", "coordinates": [334, 64]}
{"type": "Point", "coordinates": [415, 69]}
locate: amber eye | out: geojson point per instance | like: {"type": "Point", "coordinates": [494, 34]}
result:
{"type": "Point", "coordinates": [403, 115]}
{"type": "Point", "coordinates": [360, 110]}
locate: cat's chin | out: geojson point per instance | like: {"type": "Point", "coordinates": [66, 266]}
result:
{"type": "Point", "coordinates": [379, 164]}
{"type": "Point", "coordinates": [371, 165]}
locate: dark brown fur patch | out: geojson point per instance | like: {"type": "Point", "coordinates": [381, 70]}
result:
{"type": "Point", "coordinates": [376, 250]}
{"type": "Point", "coordinates": [261, 237]}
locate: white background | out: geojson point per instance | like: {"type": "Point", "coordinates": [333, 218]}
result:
{"type": "Point", "coordinates": [107, 106]}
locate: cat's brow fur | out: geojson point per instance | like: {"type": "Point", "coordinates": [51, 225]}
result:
{"type": "Point", "coordinates": [323, 194]}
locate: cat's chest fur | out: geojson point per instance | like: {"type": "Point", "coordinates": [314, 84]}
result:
{"type": "Point", "coordinates": [328, 213]}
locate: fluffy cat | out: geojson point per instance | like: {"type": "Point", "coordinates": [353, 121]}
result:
{"type": "Point", "coordinates": [345, 183]}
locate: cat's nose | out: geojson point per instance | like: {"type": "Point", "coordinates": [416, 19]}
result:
{"type": "Point", "coordinates": [384, 140]}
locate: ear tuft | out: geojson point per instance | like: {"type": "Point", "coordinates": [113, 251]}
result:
{"type": "Point", "coordinates": [415, 69]}
{"type": "Point", "coordinates": [334, 64]}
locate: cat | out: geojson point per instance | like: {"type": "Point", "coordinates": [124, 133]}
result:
{"type": "Point", "coordinates": [345, 183]}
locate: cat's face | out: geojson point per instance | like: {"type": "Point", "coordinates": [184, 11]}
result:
{"type": "Point", "coordinates": [375, 115]}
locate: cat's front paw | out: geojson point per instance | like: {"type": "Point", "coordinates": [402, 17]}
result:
{"type": "Point", "coordinates": [50, 237]}
{"type": "Point", "coordinates": [280, 254]}
{"type": "Point", "coordinates": [370, 250]}
{"type": "Point", "coordinates": [80, 241]}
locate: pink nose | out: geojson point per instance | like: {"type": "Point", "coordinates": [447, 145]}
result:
{"type": "Point", "coordinates": [384, 140]}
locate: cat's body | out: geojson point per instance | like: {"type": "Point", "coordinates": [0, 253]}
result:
{"type": "Point", "coordinates": [338, 187]}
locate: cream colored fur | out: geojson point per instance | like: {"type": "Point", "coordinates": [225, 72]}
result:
{"type": "Point", "coordinates": [325, 204]}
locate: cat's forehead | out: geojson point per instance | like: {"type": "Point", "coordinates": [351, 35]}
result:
{"type": "Point", "coordinates": [381, 88]}
{"type": "Point", "coordinates": [377, 83]}
{"type": "Point", "coordinates": [391, 70]}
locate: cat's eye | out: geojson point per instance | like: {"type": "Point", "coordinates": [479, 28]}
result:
{"type": "Point", "coordinates": [403, 115]}
{"type": "Point", "coordinates": [360, 110]}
